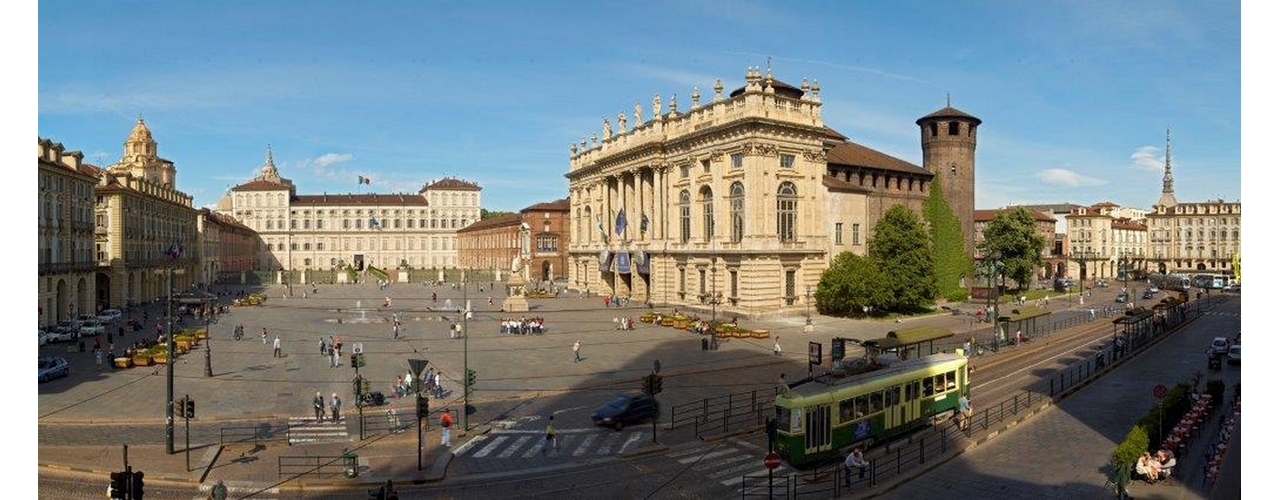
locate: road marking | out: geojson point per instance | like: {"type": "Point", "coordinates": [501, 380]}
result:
{"type": "Point", "coordinates": [586, 443]}
{"type": "Point", "coordinates": [608, 443]}
{"type": "Point", "coordinates": [511, 450]}
{"type": "Point", "coordinates": [467, 445]}
{"type": "Point", "coordinates": [692, 451]}
{"type": "Point", "coordinates": [543, 431]}
{"type": "Point", "coordinates": [737, 480]}
{"type": "Point", "coordinates": [493, 445]}
{"type": "Point", "coordinates": [735, 460]}
{"type": "Point", "coordinates": [738, 470]}
{"type": "Point", "coordinates": [634, 438]}
{"type": "Point", "coordinates": [708, 455]}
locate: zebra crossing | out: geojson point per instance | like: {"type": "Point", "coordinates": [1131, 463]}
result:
{"type": "Point", "coordinates": [305, 430]}
{"type": "Point", "coordinates": [727, 463]}
{"type": "Point", "coordinates": [525, 444]}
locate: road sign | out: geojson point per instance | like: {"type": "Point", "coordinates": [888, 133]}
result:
{"type": "Point", "coordinates": [1160, 391]}
{"type": "Point", "coordinates": [358, 348]}
{"type": "Point", "coordinates": [815, 353]}
{"type": "Point", "coordinates": [772, 460]}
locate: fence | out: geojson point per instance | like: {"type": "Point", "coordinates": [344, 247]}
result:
{"type": "Point", "coordinates": [320, 466]}
{"type": "Point", "coordinates": [724, 410]}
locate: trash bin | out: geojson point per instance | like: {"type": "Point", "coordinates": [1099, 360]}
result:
{"type": "Point", "coordinates": [350, 464]}
{"type": "Point", "coordinates": [705, 344]}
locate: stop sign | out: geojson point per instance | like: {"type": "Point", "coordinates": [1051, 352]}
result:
{"type": "Point", "coordinates": [772, 460]}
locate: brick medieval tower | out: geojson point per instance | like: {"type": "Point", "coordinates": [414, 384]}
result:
{"type": "Point", "coordinates": [948, 137]}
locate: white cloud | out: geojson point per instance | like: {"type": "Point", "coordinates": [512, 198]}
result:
{"type": "Point", "coordinates": [1148, 158]}
{"type": "Point", "coordinates": [1065, 178]}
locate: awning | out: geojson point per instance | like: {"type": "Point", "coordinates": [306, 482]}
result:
{"type": "Point", "coordinates": [624, 263]}
{"type": "Point", "coordinates": [642, 262]}
{"type": "Point", "coordinates": [605, 258]}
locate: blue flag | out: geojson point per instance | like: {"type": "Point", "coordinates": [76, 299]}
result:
{"type": "Point", "coordinates": [620, 222]}
{"type": "Point", "coordinates": [600, 226]}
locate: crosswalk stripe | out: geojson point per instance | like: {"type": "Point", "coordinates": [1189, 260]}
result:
{"type": "Point", "coordinates": [695, 451]}
{"type": "Point", "coordinates": [737, 470]}
{"type": "Point", "coordinates": [634, 438]}
{"type": "Point", "coordinates": [511, 450]}
{"type": "Point", "coordinates": [608, 443]}
{"type": "Point", "coordinates": [460, 450]}
{"type": "Point", "coordinates": [586, 443]}
{"type": "Point", "coordinates": [713, 454]}
{"type": "Point", "coordinates": [737, 479]}
{"type": "Point", "coordinates": [721, 464]}
{"type": "Point", "coordinates": [493, 445]}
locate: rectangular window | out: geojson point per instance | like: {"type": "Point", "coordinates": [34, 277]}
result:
{"type": "Point", "coordinates": [855, 238]}
{"type": "Point", "coordinates": [706, 166]}
{"type": "Point", "coordinates": [839, 233]}
{"type": "Point", "coordinates": [702, 281]}
{"type": "Point", "coordinates": [735, 160]}
{"type": "Point", "coordinates": [293, 223]}
{"type": "Point", "coordinates": [789, 287]}
{"type": "Point", "coordinates": [733, 283]}
{"type": "Point", "coordinates": [684, 171]}
{"type": "Point", "coordinates": [786, 161]}
{"type": "Point", "coordinates": [681, 280]}
{"type": "Point", "coordinates": [306, 224]}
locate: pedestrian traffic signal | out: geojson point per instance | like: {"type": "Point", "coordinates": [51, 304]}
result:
{"type": "Point", "coordinates": [190, 408]}
{"type": "Point", "coordinates": [119, 484]}
{"type": "Point", "coordinates": [471, 378]}
{"type": "Point", "coordinates": [657, 383]}
{"type": "Point", "coordinates": [135, 487]}
{"type": "Point", "coordinates": [424, 407]}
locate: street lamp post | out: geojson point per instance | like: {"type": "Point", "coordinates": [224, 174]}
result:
{"type": "Point", "coordinates": [1083, 257]}
{"type": "Point", "coordinates": [208, 339]}
{"type": "Point", "coordinates": [808, 303]}
{"type": "Point", "coordinates": [466, 370]}
{"type": "Point", "coordinates": [993, 266]}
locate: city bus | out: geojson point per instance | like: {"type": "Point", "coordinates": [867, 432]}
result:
{"type": "Point", "coordinates": [1208, 281]}
{"type": "Point", "coordinates": [1174, 282]}
{"type": "Point", "coordinates": [818, 418]}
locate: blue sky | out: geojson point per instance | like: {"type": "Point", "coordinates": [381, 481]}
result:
{"type": "Point", "coordinates": [1075, 96]}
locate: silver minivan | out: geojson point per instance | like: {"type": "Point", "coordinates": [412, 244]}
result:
{"type": "Point", "coordinates": [1220, 345]}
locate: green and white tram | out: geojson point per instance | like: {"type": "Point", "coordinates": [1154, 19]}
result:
{"type": "Point", "coordinates": [818, 418]}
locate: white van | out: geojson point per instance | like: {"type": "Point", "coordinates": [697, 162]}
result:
{"type": "Point", "coordinates": [1220, 345]}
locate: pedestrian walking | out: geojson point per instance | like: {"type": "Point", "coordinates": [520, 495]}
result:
{"type": "Point", "coordinates": [550, 441]}
{"type": "Point", "coordinates": [777, 348]}
{"type": "Point", "coordinates": [98, 355]}
{"type": "Point", "coordinates": [275, 346]}
{"type": "Point", "coordinates": [965, 413]}
{"type": "Point", "coordinates": [782, 383]}
{"type": "Point", "coordinates": [264, 335]}
{"type": "Point", "coordinates": [219, 491]}
{"type": "Point", "coordinates": [446, 421]}
{"type": "Point", "coordinates": [335, 407]}
{"type": "Point", "coordinates": [577, 351]}
{"type": "Point", "coordinates": [395, 331]}
{"type": "Point", "coordinates": [324, 351]}
{"type": "Point", "coordinates": [333, 357]}
{"type": "Point", "coordinates": [318, 405]}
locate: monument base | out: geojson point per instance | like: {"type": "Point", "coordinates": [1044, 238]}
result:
{"type": "Point", "coordinates": [515, 303]}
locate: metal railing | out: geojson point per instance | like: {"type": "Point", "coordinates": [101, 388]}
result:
{"type": "Point", "coordinates": [255, 433]}
{"type": "Point", "coordinates": [707, 408]}
{"type": "Point", "coordinates": [320, 466]}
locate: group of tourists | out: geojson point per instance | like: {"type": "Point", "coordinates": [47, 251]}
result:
{"type": "Point", "coordinates": [522, 326]}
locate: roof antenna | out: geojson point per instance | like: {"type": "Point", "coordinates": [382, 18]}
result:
{"type": "Point", "coordinates": [768, 64]}
{"type": "Point", "coordinates": [948, 99]}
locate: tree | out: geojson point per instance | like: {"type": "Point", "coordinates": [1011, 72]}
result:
{"type": "Point", "coordinates": [951, 263]}
{"type": "Point", "coordinates": [901, 247]}
{"type": "Point", "coordinates": [849, 285]}
{"type": "Point", "coordinates": [1013, 233]}
{"type": "Point", "coordinates": [489, 214]}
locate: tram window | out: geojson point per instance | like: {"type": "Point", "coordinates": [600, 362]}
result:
{"type": "Point", "coordinates": [847, 411]}
{"type": "Point", "coordinates": [939, 383]}
{"type": "Point", "coordinates": [951, 380]}
{"type": "Point", "coordinates": [928, 387]}
{"type": "Point", "coordinates": [893, 396]}
{"type": "Point", "coordinates": [861, 405]}
{"type": "Point", "coordinates": [784, 419]}
{"type": "Point", "coordinates": [913, 391]}
{"type": "Point", "coordinates": [877, 402]}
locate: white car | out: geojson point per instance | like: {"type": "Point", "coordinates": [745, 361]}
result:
{"type": "Point", "coordinates": [60, 335]}
{"type": "Point", "coordinates": [109, 315]}
{"type": "Point", "coordinates": [44, 337]}
{"type": "Point", "coordinates": [1233, 354]}
{"type": "Point", "coordinates": [91, 328]}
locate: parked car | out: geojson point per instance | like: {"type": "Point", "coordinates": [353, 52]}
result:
{"type": "Point", "coordinates": [109, 315]}
{"type": "Point", "coordinates": [86, 317]}
{"type": "Point", "coordinates": [1148, 294]}
{"type": "Point", "coordinates": [91, 328]}
{"type": "Point", "coordinates": [1233, 354]}
{"type": "Point", "coordinates": [625, 409]}
{"type": "Point", "coordinates": [44, 337]}
{"type": "Point", "coordinates": [1232, 288]}
{"type": "Point", "coordinates": [60, 335]}
{"type": "Point", "coordinates": [52, 367]}
{"type": "Point", "coordinates": [1122, 297]}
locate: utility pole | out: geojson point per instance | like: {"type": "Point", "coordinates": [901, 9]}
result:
{"type": "Point", "coordinates": [168, 319]}
{"type": "Point", "coordinates": [466, 389]}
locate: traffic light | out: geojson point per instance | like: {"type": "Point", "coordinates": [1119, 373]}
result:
{"type": "Point", "coordinates": [646, 383]}
{"type": "Point", "coordinates": [190, 408]}
{"type": "Point", "coordinates": [657, 383]}
{"type": "Point", "coordinates": [471, 378]}
{"type": "Point", "coordinates": [771, 430]}
{"type": "Point", "coordinates": [424, 407]}
{"type": "Point", "coordinates": [354, 363]}
{"type": "Point", "coordinates": [119, 484]}
{"type": "Point", "coordinates": [135, 488]}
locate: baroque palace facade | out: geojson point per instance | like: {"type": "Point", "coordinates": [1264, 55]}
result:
{"type": "Point", "coordinates": [743, 201]}
{"type": "Point", "coordinates": [328, 231]}
{"type": "Point", "coordinates": [65, 219]}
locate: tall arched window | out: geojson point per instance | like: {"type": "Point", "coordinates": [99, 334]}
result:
{"type": "Point", "coordinates": [684, 216]}
{"type": "Point", "coordinates": [591, 233]}
{"type": "Point", "coordinates": [787, 208]}
{"type": "Point", "coordinates": [708, 213]}
{"type": "Point", "coordinates": [737, 197]}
